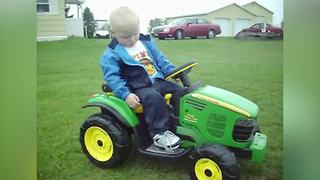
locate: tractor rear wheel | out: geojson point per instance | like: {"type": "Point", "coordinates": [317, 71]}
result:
{"type": "Point", "coordinates": [104, 141]}
{"type": "Point", "coordinates": [214, 162]}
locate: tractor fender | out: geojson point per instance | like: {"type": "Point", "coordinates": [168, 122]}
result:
{"type": "Point", "coordinates": [129, 120]}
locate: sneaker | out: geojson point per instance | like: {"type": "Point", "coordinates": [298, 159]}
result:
{"type": "Point", "coordinates": [167, 140]}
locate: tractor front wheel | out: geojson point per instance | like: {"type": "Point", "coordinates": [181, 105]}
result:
{"type": "Point", "coordinates": [104, 141]}
{"type": "Point", "coordinates": [214, 162]}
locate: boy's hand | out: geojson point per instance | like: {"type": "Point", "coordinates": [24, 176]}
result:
{"type": "Point", "coordinates": [133, 100]}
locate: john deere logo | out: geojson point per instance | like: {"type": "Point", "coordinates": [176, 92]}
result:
{"type": "Point", "coordinates": [190, 117]}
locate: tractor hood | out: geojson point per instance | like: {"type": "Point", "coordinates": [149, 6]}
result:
{"type": "Point", "coordinates": [227, 100]}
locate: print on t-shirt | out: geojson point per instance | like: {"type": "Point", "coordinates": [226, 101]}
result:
{"type": "Point", "coordinates": [139, 53]}
{"type": "Point", "coordinates": [148, 65]}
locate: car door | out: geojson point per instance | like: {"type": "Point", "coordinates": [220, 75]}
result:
{"type": "Point", "coordinates": [191, 28]}
{"type": "Point", "coordinates": [203, 27]}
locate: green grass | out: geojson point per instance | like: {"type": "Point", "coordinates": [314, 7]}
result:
{"type": "Point", "coordinates": [69, 72]}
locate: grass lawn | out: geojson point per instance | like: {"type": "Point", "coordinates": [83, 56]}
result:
{"type": "Point", "coordinates": [69, 72]}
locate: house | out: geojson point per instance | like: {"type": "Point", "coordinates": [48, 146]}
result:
{"type": "Point", "coordinates": [233, 18]}
{"type": "Point", "coordinates": [52, 23]}
{"type": "Point", "coordinates": [263, 14]}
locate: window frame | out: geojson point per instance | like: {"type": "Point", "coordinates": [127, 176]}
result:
{"type": "Point", "coordinates": [43, 3]}
{"type": "Point", "coordinates": [53, 6]}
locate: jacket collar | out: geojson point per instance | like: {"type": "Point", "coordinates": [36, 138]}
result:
{"type": "Point", "coordinates": [142, 37]}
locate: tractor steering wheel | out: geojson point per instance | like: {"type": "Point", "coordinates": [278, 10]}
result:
{"type": "Point", "coordinates": [181, 73]}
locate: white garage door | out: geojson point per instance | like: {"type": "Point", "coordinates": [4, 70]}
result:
{"type": "Point", "coordinates": [240, 24]}
{"type": "Point", "coordinates": [225, 25]}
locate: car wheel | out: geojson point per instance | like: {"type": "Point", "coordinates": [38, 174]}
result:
{"type": "Point", "coordinates": [104, 141]}
{"type": "Point", "coordinates": [179, 34]}
{"type": "Point", "coordinates": [211, 34]}
{"type": "Point", "coordinates": [214, 162]}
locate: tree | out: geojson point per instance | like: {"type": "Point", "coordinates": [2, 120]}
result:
{"type": "Point", "coordinates": [155, 22]}
{"type": "Point", "coordinates": [89, 22]}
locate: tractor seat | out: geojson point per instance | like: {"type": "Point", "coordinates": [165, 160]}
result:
{"type": "Point", "coordinates": [138, 109]}
{"type": "Point", "coordinates": [167, 97]}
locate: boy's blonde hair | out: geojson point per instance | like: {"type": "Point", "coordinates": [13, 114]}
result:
{"type": "Point", "coordinates": [124, 20]}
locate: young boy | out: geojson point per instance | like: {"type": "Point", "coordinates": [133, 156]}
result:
{"type": "Point", "coordinates": [134, 68]}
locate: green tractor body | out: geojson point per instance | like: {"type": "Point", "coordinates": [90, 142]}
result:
{"type": "Point", "coordinates": [208, 115]}
{"type": "Point", "coordinates": [117, 105]}
{"type": "Point", "coordinates": [216, 126]}
{"type": "Point", "coordinates": [211, 115]}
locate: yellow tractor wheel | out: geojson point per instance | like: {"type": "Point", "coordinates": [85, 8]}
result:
{"type": "Point", "coordinates": [104, 141]}
{"type": "Point", "coordinates": [213, 162]}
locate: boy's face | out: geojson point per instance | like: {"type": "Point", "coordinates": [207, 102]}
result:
{"type": "Point", "coordinates": [127, 38]}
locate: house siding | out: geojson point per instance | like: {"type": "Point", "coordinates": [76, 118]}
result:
{"type": "Point", "coordinates": [259, 11]}
{"type": "Point", "coordinates": [52, 25]}
{"type": "Point", "coordinates": [232, 12]}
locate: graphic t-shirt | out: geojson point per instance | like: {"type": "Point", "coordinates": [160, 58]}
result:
{"type": "Point", "coordinates": [140, 54]}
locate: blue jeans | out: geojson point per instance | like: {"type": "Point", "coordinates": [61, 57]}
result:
{"type": "Point", "coordinates": [156, 113]}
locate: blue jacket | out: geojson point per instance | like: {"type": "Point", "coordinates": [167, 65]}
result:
{"type": "Point", "coordinates": [123, 74]}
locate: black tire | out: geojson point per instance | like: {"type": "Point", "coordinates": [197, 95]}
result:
{"type": "Point", "coordinates": [211, 34]}
{"type": "Point", "coordinates": [214, 162]}
{"type": "Point", "coordinates": [104, 141]}
{"type": "Point", "coordinates": [179, 34]}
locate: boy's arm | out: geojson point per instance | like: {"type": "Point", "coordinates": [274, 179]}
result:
{"type": "Point", "coordinates": [161, 60]}
{"type": "Point", "coordinates": [111, 74]}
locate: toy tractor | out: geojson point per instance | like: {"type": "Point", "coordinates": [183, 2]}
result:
{"type": "Point", "coordinates": [216, 126]}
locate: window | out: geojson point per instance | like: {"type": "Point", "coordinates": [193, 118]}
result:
{"type": "Point", "coordinates": [192, 21]}
{"type": "Point", "coordinates": [102, 26]}
{"type": "Point", "coordinates": [43, 6]}
{"type": "Point", "coordinates": [48, 7]}
{"type": "Point", "coordinates": [256, 26]}
{"type": "Point", "coordinates": [202, 21]}
{"type": "Point", "coordinates": [261, 26]}
{"type": "Point", "coordinates": [177, 22]}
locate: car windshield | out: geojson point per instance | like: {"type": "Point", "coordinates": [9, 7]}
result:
{"type": "Point", "coordinates": [178, 22]}
{"type": "Point", "coordinates": [102, 26]}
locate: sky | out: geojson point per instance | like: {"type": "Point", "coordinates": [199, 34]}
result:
{"type": "Point", "coordinates": [150, 9]}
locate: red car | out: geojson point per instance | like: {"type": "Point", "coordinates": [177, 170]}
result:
{"type": "Point", "coordinates": [264, 28]}
{"type": "Point", "coordinates": [187, 27]}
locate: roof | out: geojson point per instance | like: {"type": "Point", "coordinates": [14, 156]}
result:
{"type": "Point", "coordinates": [203, 14]}
{"type": "Point", "coordinates": [253, 2]}
{"type": "Point", "coordinates": [233, 4]}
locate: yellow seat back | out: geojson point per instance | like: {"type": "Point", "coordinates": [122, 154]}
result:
{"type": "Point", "coordinates": [167, 97]}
